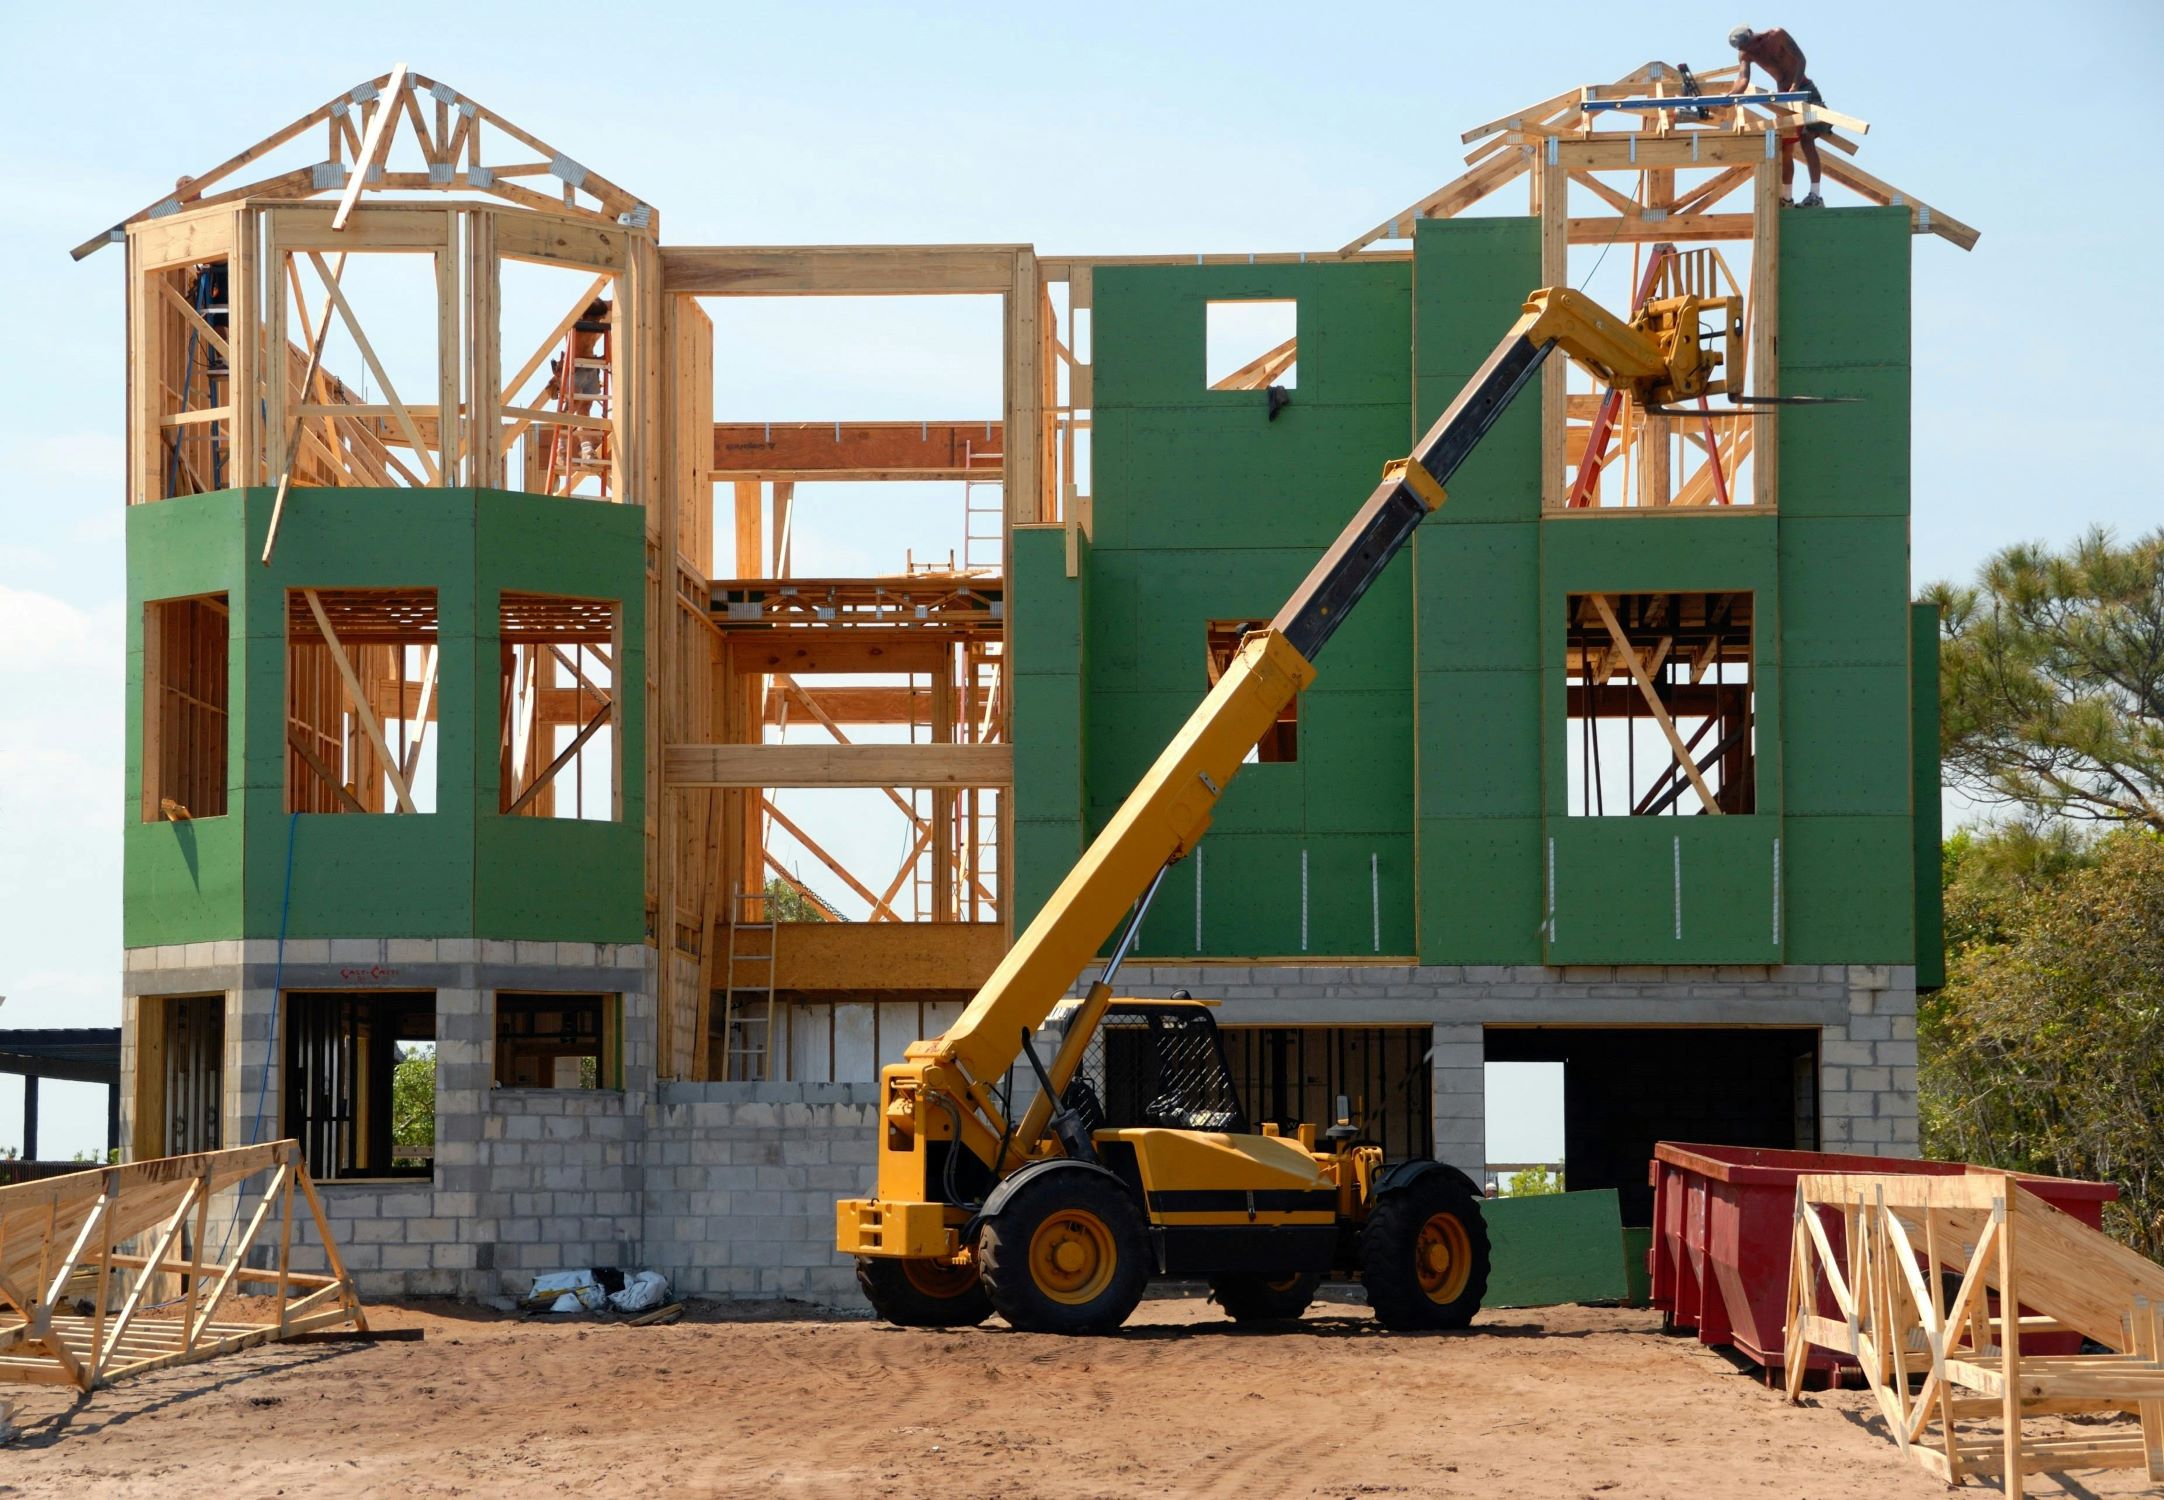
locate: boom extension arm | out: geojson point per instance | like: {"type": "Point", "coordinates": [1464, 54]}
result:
{"type": "Point", "coordinates": [1659, 358]}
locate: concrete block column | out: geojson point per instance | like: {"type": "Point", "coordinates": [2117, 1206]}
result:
{"type": "Point", "coordinates": [1867, 1068]}
{"type": "Point", "coordinates": [1459, 1069]}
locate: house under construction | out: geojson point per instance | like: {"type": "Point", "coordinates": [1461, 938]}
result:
{"type": "Point", "coordinates": [477, 709]}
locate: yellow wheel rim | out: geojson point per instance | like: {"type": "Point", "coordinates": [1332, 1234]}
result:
{"type": "Point", "coordinates": [936, 1280]}
{"type": "Point", "coordinates": [1443, 1258]}
{"type": "Point", "coordinates": [1072, 1257]}
{"type": "Point", "coordinates": [1284, 1283]}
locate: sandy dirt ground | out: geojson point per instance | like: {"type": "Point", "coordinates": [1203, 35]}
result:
{"type": "Point", "coordinates": [1560, 1402]}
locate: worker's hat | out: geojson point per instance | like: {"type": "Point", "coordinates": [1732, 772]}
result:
{"type": "Point", "coordinates": [1741, 37]}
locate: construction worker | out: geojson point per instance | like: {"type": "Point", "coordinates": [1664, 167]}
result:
{"type": "Point", "coordinates": [1776, 51]}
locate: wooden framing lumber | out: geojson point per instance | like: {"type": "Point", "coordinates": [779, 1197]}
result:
{"type": "Point", "coordinates": [813, 765]}
{"type": "Point", "coordinates": [1938, 1369]}
{"type": "Point", "coordinates": [1629, 657]}
{"type": "Point", "coordinates": [838, 270]}
{"type": "Point", "coordinates": [795, 451]}
{"type": "Point", "coordinates": [54, 1227]}
{"type": "Point", "coordinates": [357, 698]}
{"type": "Point", "coordinates": [374, 142]}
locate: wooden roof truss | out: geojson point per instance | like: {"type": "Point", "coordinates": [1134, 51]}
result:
{"type": "Point", "coordinates": [453, 144]}
{"type": "Point", "coordinates": [1721, 149]}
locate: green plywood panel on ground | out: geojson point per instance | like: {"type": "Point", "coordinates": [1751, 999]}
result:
{"type": "Point", "coordinates": [1664, 890]}
{"type": "Point", "coordinates": [1481, 892]}
{"type": "Point", "coordinates": [1479, 744]}
{"type": "Point", "coordinates": [1845, 287]}
{"type": "Point", "coordinates": [1556, 1248]}
{"type": "Point", "coordinates": [1848, 750]}
{"type": "Point", "coordinates": [1844, 592]}
{"type": "Point", "coordinates": [1849, 890]}
{"type": "Point", "coordinates": [1478, 588]}
{"type": "Point", "coordinates": [1470, 280]}
{"type": "Point", "coordinates": [1637, 1246]}
{"type": "Point", "coordinates": [1924, 753]}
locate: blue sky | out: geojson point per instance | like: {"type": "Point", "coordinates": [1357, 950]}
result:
{"type": "Point", "coordinates": [1120, 128]}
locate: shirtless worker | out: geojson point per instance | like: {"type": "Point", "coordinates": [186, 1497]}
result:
{"type": "Point", "coordinates": [1776, 51]}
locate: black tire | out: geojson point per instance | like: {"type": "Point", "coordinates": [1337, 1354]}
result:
{"type": "Point", "coordinates": [1424, 1257]}
{"type": "Point", "coordinates": [1255, 1297]}
{"type": "Point", "coordinates": [1068, 1253]}
{"type": "Point", "coordinates": [922, 1293]}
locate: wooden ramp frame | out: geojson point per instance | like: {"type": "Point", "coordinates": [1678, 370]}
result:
{"type": "Point", "coordinates": [1943, 1368]}
{"type": "Point", "coordinates": [63, 1239]}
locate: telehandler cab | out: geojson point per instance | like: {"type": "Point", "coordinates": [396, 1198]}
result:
{"type": "Point", "coordinates": [1134, 1159]}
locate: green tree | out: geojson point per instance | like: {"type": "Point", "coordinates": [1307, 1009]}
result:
{"type": "Point", "coordinates": [785, 903]}
{"type": "Point", "coordinates": [2051, 680]}
{"type": "Point", "coordinates": [1534, 1182]}
{"type": "Point", "coordinates": [2045, 1051]}
{"type": "Point", "coordinates": [413, 1102]}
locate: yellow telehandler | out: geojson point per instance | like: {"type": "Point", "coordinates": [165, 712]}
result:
{"type": "Point", "coordinates": [1134, 1158]}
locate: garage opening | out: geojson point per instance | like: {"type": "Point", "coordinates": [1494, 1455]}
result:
{"type": "Point", "coordinates": [1626, 1088]}
{"type": "Point", "coordinates": [1292, 1075]}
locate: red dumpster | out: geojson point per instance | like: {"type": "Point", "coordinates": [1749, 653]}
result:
{"type": "Point", "coordinates": [1721, 1222]}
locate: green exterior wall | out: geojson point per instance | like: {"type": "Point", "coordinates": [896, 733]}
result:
{"type": "Point", "coordinates": [1433, 739]}
{"type": "Point", "coordinates": [1206, 508]}
{"type": "Point", "coordinates": [460, 870]}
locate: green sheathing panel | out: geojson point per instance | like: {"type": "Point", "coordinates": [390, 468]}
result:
{"type": "Point", "coordinates": [1851, 789]}
{"type": "Point", "coordinates": [1678, 889]}
{"type": "Point", "coordinates": [181, 882]}
{"type": "Point", "coordinates": [1476, 586]}
{"type": "Point", "coordinates": [1045, 675]}
{"type": "Point", "coordinates": [352, 874]}
{"type": "Point", "coordinates": [1205, 508]}
{"type": "Point", "coordinates": [1924, 743]}
{"type": "Point", "coordinates": [384, 875]}
{"type": "Point", "coordinates": [573, 880]}
{"type": "Point", "coordinates": [1555, 1248]}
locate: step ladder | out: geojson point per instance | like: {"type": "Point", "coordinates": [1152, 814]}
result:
{"type": "Point", "coordinates": [585, 386]}
{"type": "Point", "coordinates": [747, 1027]}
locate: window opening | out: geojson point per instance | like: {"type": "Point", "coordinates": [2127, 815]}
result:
{"type": "Point", "coordinates": [556, 750]}
{"type": "Point", "coordinates": [1524, 1106]}
{"type": "Point", "coordinates": [180, 1052]}
{"type": "Point", "coordinates": [1281, 742]}
{"type": "Point", "coordinates": [192, 317]}
{"type": "Point", "coordinates": [361, 695]}
{"type": "Point", "coordinates": [1661, 714]}
{"type": "Point", "coordinates": [185, 707]}
{"type": "Point", "coordinates": [552, 1041]}
{"type": "Point", "coordinates": [360, 1082]}
{"type": "Point", "coordinates": [1251, 344]}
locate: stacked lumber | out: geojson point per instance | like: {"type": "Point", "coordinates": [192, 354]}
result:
{"type": "Point", "coordinates": [1946, 1367]}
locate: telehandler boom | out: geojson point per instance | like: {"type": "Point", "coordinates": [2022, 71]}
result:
{"type": "Point", "coordinates": [1134, 1158]}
